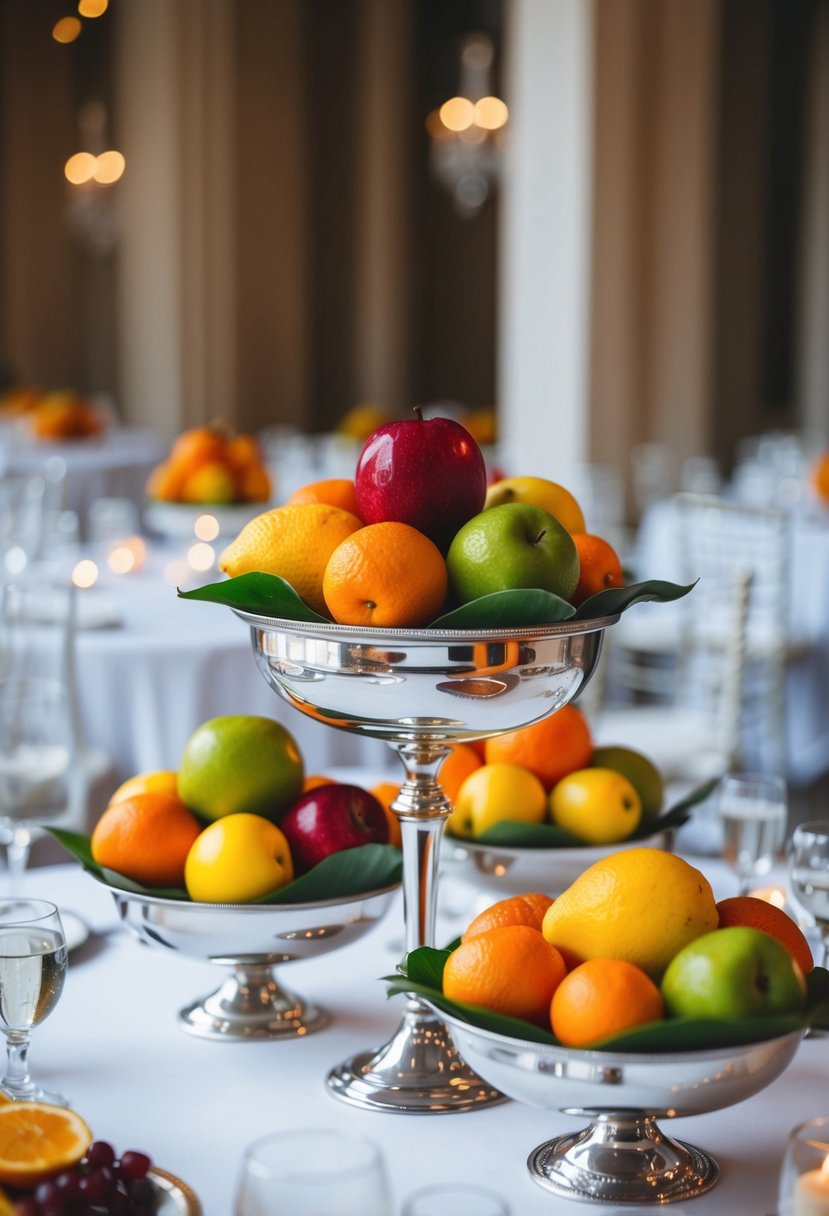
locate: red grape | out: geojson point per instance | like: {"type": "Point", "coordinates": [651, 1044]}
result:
{"type": "Point", "coordinates": [133, 1164]}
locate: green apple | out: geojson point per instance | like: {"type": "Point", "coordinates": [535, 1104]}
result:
{"type": "Point", "coordinates": [641, 772]}
{"type": "Point", "coordinates": [733, 973]}
{"type": "Point", "coordinates": [237, 859]}
{"type": "Point", "coordinates": [240, 762]}
{"type": "Point", "coordinates": [514, 545]}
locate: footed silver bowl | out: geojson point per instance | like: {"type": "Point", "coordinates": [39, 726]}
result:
{"type": "Point", "coordinates": [622, 1156]}
{"type": "Point", "coordinates": [250, 940]}
{"type": "Point", "coordinates": [421, 690]}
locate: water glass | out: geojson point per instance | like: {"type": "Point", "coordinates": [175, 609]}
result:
{"type": "Point", "coordinates": [455, 1199]}
{"type": "Point", "coordinates": [753, 812]}
{"type": "Point", "coordinates": [804, 1177]}
{"type": "Point", "coordinates": [809, 875]}
{"type": "Point", "coordinates": [313, 1172]}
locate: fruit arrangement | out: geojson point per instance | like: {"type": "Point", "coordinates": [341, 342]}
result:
{"type": "Point", "coordinates": [419, 538]}
{"type": "Point", "coordinates": [549, 785]}
{"type": "Point", "coordinates": [213, 466]}
{"type": "Point", "coordinates": [636, 954]}
{"type": "Point", "coordinates": [55, 416]}
{"type": "Point", "coordinates": [50, 1165]}
{"type": "Point", "coordinates": [237, 823]}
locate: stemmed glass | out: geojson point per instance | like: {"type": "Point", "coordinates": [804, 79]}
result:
{"type": "Point", "coordinates": [35, 749]}
{"type": "Point", "coordinates": [753, 811]}
{"type": "Point", "coordinates": [305, 1172]}
{"type": "Point", "coordinates": [32, 969]}
{"type": "Point", "coordinates": [809, 875]}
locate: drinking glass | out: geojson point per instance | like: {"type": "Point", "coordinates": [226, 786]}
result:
{"type": "Point", "coordinates": [313, 1172]}
{"type": "Point", "coordinates": [455, 1199]}
{"type": "Point", "coordinates": [809, 876]}
{"type": "Point", "coordinates": [32, 969]}
{"type": "Point", "coordinates": [753, 811]}
{"type": "Point", "coordinates": [35, 749]}
{"type": "Point", "coordinates": [804, 1177]}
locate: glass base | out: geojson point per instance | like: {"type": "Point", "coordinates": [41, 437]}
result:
{"type": "Point", "coordinates": [35, 1094]}
{"type": "Point", "coordinates": [250, 1004]}
{"type": "Point", "coordinates": [418, 1071]}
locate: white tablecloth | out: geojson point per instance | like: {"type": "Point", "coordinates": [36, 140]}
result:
{"type": "Point", "coordinates": [147, 682]}
{"type": "Point", "coordinates": [113, 1046]}
{"type": "Point", "coordinates": [807, 684]}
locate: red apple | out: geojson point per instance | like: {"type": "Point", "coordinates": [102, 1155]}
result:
{"type": "Point", "coordinates": [427, 472]}
{"type": "Point", "coordinates": [329, 819]}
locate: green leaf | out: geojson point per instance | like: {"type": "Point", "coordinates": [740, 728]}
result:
{"type": "Point", "coordinates": [616, 599]}
{"type": "Point", "coordinates": [511, 609]}
{"type": "Point", "coordinates": [262, 594]}
{"type": "Point", "coordinates": [424, 978]}
{"type": "Point", "coordinates": [370, 867]}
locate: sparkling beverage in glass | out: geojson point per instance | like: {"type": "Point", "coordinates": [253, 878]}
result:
{"type": "Point", "coordinates": [753, 811]}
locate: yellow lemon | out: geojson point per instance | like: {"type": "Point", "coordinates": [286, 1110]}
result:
{"type": "Point", "coordinates": [597, 805]}
{"type": "Point", "coordinates": [295, 542]}
{"type": "Point", "coordinates": [642, 905]}
{"type": "Point", "coordinates": [538, 492]}
{"type": "Point", "coordinates": [362, 420]}
{"type": "Point", "coordinates": [160, 781]}
{"type": "Point", "coordinates": [494, 792]}
{"type": "Point", "coordinates": [212, 483]}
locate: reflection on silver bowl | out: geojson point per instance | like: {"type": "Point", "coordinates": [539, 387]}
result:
{"type": "Point", "coordinates": [622, 1156]}
{"type": "Point", "coordinates": [251, 939]}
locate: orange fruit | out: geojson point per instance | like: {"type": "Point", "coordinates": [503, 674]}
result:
{"type": "Point", "coordinates": [385, 792]}
{"type": "Point", "coordinates": [551, 748]}
{"type": "Point", "coordinates": [212, 482]}
{"type": "Point", "coordinates": [526, 909]}
{"type": "Point", "coordinates": [314, 780]}
{"type": "Point", "coordinates": [819, 476]}
{"type": "Point", "coordinates": [760, 914]}
{"type": "Point", "coordinates": [146, 838]}
{"type": "Point", "coordinates": [37, 1140]}
{"type": "Point", "coordinates": [294, 542]}
{"type": "Point", "coordinates": [478, 746]}
{"type": "Point", "coordinates": [243, 452]}
{"type": "Point", "coordinates": [195, 447]}
{"type": "Point", "coordinates": [603, 997]}
{"type": "Point", "coordinates": [387, 575]}
{"type": "Point", "coordinates": [455, 769]}
{"type": "Point", "coordinates": [160, 781]}
{"type": "Point", "coordinates": [599, 566]}
{"type": "Point", "coordinates": [165, 482]}
{"type": "Point", "coordinates": [254, 484]}
{"type": "Point", "coordinates": [510, 969]}
{"type": "Point", "coordinates": [335, 491]}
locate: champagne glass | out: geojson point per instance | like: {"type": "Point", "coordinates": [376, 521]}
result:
{"type": "Point", "coordinates": [313, 1172]}
{"type": "Point", "coordinates": [35, 749]}
{"type": "Point", "coordinates": [753, 811]}
{"type": "Point", "coordinates": [455, 1199]}
{"type": "Point", "coordinates": [809, 875]}
{"type": "Point", "coordinates": [32, 968]}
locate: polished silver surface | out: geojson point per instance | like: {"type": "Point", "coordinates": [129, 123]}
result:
{"type": "Point", "coordinates": [421, 691]}
{"type": "Point", "coordinates": [250, 940]}
{"type": "Point", "coordinates": [622, 1156]}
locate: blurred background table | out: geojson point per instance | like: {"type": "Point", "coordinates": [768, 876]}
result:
{"type": "Point", "coordinates": [113, 1047]}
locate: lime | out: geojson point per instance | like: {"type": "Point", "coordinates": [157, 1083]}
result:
{"type": "Point", "coordinates": [641, 772]}
{"type": "Point", "coordinates": [240, 763]}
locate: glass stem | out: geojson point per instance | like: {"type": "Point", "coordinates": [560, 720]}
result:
{"type": "Point", "coordinates": [17, 1081]}
{"type": "Point", "coordinates": [17, 858]}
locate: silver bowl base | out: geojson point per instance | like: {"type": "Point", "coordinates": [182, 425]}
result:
{"type": "Point", "coordinates": [418, 1072]}
{"type": "Point", "coordinates": [251, 1005]}
{"type": "Point", "coordinates": [622, 1158]}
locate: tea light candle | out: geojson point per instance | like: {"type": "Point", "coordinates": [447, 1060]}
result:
{"type": "Point", "coordinates": [811, 1192]}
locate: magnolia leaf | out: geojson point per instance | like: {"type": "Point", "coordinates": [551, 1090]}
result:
{"type": "Point", "coordinates": [262, 594]}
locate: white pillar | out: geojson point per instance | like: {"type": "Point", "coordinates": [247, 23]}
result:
{"type": "Point", "coordinates": [545, 240]}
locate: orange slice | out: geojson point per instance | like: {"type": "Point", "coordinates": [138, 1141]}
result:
{"type": "Point", "coordinates": [37, 1140]}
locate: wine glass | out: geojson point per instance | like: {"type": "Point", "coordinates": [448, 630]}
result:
{"type": "Point", "coordinates": [35, 749]}
{"type": "Point", "coordinates": [753, 810]}
{"type": "Point", "coordinates": [32, 968]}
{"type": "Point", "coordinates": [455, 1199]}
{"type": "Point", "coordinates": [313, 1172]}
{"type": "Point", "coordinates": [809, 875]}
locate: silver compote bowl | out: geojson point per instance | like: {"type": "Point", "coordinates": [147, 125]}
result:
{"type": "Point", "coordinates": [250, 940]}
{"type": "Point", "coordinates": [421, 691]}
{"type": "Point", "coordinates": [623, 1156]}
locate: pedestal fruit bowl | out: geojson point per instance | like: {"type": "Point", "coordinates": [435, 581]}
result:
{"type": "Point", "coordinates": [421, 691]}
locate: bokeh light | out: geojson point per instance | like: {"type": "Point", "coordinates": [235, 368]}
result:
{"type": "Point", "coordinates": [457, 113]}
{"type": "Point", "coordinates": [206, 527]}
{"type": "Point", "coordinates": [80, 168]}
{"type": "Point", "coordinates": [109, 166]}
{"type": "Point", "coordinates": [85, 573]}
{"type": "Point", "coordinates": [92, 8]}
{"type": "Point", "coordinates": [201, 556]}
{"type": "Point", "coordinates": [66, 30]}
{"type": "Point", "coordinates": [491, 113]}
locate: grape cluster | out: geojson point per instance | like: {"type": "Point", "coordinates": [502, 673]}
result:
{"type": "Point", "coordinates": [100, 1185]}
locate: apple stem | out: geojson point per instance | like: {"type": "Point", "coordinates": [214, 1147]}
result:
{"type": "Point", "coordinates": [418, 409]}
{"type": "Point", "coordinates": [540, 537]}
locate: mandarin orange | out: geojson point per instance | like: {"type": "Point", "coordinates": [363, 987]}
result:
{"type": "Point", "coordinates": [552, 748]}
{"type": "Point", "coordinates": [525, 909]}
{"type": "Point", "coordinates": [759, 914]}
{"type": "Point", "coordinates": [335, 491]}
{"type": "Point", "coordinates": [146, 838]}
{"type": "Point", "coordinates": [603, 997]}
{"type": "Point", "coordinates": [386, 575]}
{"type": "Point", "coordinates": [599, 566]}
{"type": "Point", "coordinates": [510, 969]}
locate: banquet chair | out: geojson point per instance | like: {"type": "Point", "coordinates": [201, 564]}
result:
{"type": "Point", "coordinates": [653, 655]}
{"type": "Point", "coordinates": [37, 639]}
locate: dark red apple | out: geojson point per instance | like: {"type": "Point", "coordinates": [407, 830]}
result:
{"type": "Point", "coordinates": [329, 819]}
{"type": "Point", "coordinates": [426, 472]}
